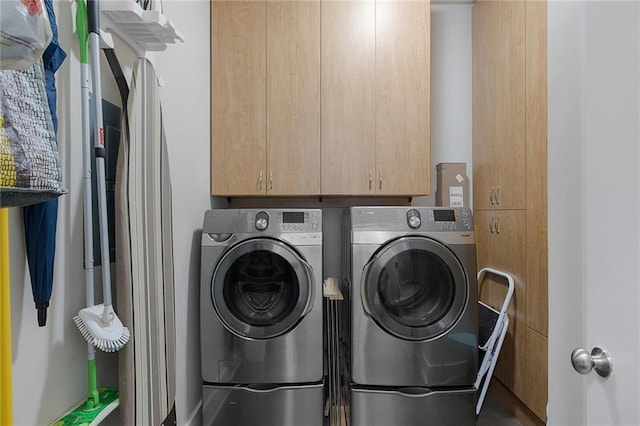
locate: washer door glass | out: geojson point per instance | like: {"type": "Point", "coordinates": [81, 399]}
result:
{"type": "Point", "coordinates": [415, 288]}
{"type": "Point", "coordinates": [261, 288]}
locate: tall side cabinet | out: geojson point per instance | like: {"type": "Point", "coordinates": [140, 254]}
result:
{"type": "Point", "coordinates": [509, 162]}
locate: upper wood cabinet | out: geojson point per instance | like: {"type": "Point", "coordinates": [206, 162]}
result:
{"type": "Point", "coordinates": [265, 125]}
{"type": "Point", "coordinates": [375, 97]}
{"type": "Point", "coordinates": [499, 151]}
{"type": "Point", "coordinates": [293, 94]}
{"type": "Point", "coordinates": [348, 96]}
{"type": "Point", "coordinates": [320, 98]}
{"type": "Point", "coordinates": [238, 98]}
{"type": "Point", "coordinates": [403, 89]}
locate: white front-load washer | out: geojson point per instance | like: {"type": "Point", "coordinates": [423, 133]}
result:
{"type": "Point", "coordinates": [261, 316]}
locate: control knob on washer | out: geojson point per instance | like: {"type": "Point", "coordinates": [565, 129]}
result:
{"type": "Point", "coordinates": [261, 224]}
{"type": "Point", "coordinates": [413, 219]}
{"type": "Point", "coordinates": [414, 222]}
{"type": "Point", "coordinates": [262, 220]}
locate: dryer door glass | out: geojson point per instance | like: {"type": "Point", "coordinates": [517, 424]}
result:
{"type": "Point", "coordinates": [261, 288]}
{"type": "Point", "coordinates": [415, 288]}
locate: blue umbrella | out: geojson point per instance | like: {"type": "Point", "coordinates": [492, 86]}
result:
{"type": "Point", "coordinates": [40, 219]}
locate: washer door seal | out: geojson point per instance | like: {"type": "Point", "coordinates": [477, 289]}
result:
{"type": "Point", "coordinates": [415, 288]}
{"type": "Point", "coordinates": [262, 288]}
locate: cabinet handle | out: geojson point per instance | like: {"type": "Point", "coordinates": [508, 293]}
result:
{"type": "Point", "coordinates": [260, 180]}
{"type": "Point", "coordinates": [491, 224]}
{"type": "Point", "coordinates": [491, 195]}
{"type": "Point", "coordinates": [498, 195]}
{"type": "Point", "coordinates": [370, 180]}
{"type": "Point", "coordinates": [380, 179]}
{"type": "Point", "coordinates": [497, 225]}
{"type": "Point", "coordinates": [270, 180]}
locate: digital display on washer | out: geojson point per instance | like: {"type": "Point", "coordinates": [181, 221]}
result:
{"type": "Point", "coordinates": [292, 217]}
{"type": "Point", "coordinates": [444, 215]}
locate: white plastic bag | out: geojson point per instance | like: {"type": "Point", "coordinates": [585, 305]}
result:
{"type": "Point", "coordinates": [24, 33]}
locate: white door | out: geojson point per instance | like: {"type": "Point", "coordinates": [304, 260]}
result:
{"type": "Point", "coordinates": [594, 208]}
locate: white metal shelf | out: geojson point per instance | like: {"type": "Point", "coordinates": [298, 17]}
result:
{"type": "Point", "coordinates": [142, 30]}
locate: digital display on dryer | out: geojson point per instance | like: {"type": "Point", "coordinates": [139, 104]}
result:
{"type": "Point", "coordinates": [444, 215]}
{"type": "Point", "coordinates": [292, 217]}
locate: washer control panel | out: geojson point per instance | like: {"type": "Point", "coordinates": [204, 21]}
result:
{"type": "Point", "coordinates": [286, 220]}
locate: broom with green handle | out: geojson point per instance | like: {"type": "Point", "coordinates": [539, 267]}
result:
{"type": "Point", "coordinates": [100, 401]}
{"type": "Point", "coordinates": [99, 324]}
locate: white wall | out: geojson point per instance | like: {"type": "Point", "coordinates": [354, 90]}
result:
{"type": "Point", "coordinates": [451, 120]}
{"type": "Point", "coordinates": [55, 355]}
{"type": "Point", "coordinates": [186, 111]}
{"type": "Point", "coordinates": [566, 34]}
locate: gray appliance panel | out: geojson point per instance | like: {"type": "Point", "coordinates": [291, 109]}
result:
{"type": "Point", "coordinates": [380, 358]}
{"type": "Point", "coordinates": [293, 357]}
{"type": "Point", "coordinates": [403, 219]}
{"type": "Point", "coordinates": [278, 406]}
{"type": "Point", "coordinates": [277, 221]}
{"type": "Point", "coordinates": [412, 407]}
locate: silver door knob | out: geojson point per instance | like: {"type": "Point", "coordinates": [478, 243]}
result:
{"type": "Point", "coordinates": [583, 362]}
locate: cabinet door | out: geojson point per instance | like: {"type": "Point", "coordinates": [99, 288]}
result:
{"type": "Point", "coordinates": [499, 104]}
{"type": "Point", "coordinates": [293, 97]}
{"type": "Point", "coordinates": [536, 377]}
{"type": "Point", "coordinates": [501, 244]}
{"type": "Point", "coordinates": [484, 100]}
{"type": "Point", "coordinates": [402, 63]}
{"type": "Point", "coordinates": [238, 97]}
{"type": "Point", "coordinates": [347, 97]}
{"type": "Point", "coordinates": [537, 260]}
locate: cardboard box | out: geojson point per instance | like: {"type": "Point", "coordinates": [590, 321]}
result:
{"type": "Point", "coordinates": [452, 188]}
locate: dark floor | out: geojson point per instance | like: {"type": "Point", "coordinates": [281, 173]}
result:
{"type": "Point", "coordinates": [494, 413]}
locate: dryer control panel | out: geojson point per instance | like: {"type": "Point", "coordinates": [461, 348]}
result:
{"type": "Point", "coordinates": [415, 219]}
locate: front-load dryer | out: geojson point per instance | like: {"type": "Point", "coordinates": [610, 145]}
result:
{"type": "Point", "coordinates": [414, 314]}
{"type": "Point", "coordinates": [261, 296]}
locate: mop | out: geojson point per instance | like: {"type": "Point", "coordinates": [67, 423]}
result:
{"type": "Point", "coordinates": [99, 324]}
